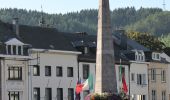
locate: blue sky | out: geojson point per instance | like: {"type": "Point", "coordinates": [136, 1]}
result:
{"type": "Point", "coordinates": [64, 6]}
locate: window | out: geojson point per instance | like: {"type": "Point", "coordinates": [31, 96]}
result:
{"type": "Point", "coordinates": [70, 71]}
{"type": "Point", "coordinates": [85, 71]}
{"type": "Point", "coordinates": [140, 56]}
{"type": "Point", "coordinates": [85, 93]}
{"type": "Point", "coordinates": [59, 71]}
{"type": "Point", "coordinates": [141, 79]}
{"type": "Point", "coordinates": [19, 50]}
{"type": "Point", "coordinates": [163, 76]}
{"type": "Point", "coordinates": [9, 49]}
{"type": "Point", "coordinates": [141, 97]}
{"type": "Point", "coordinates": [15, 73]}
{"type": "Point", "coordinates": [14, 50]}
{"type": "Point", "coordinates": [70, 94]}
{"type": "Point", "coordinates": [48, 94]}
{"type": "Point", "coordinates": [59, 94]}
{"type": "Point", "coordinates": [163, 95]}
{"type": "Point", "coordinates": [36, 70]}
{"type": "Point", "coordinates": [36, 94]}
{"type": "Point", "coordinates": [47, 70]}
{"type": "Point", "coordinates": [153, 94]}
{"type": "Point", "coordinates": [132, 77]}
{"type": "Point", "coordinates": [156, 56]}
{"type": "Point", "coordinates": [136, 57]}
{"type": "Point", "coordinates": [153, 74]}
{"type": "Point", "coordinates": [13, 95]}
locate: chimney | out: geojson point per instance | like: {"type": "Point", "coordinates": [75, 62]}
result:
{"type": "Point", "coordinates": [86, 50]}
{"type": "Point", "coordinates": [15, 23]}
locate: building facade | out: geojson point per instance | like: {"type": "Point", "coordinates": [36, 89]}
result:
{"type": "Point", "coordinates": [14, 70]}
{"type": "Point", "coordinates": [158, 77]}
{"type": "Point", "coordinates": [53, 75]}
{"type": "Point", "coordinates": [138, 80]}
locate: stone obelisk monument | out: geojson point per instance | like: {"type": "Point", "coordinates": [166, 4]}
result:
{"type": "Point", "coordinates": [105, 71]}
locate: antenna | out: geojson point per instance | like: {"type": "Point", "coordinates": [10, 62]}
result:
{"type": "Point", "coordinates": [164, 5]}
{"type": "Point", "coordinates": [42, 20]}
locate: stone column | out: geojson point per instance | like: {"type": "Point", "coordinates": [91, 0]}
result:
{"type": "Point", "coordinates": [105, 67]}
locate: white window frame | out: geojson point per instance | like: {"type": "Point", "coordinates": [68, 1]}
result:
{"type": "Point", "coordinates": [17, 49]}
{"type": "Point", "coordinates": [154, 56]}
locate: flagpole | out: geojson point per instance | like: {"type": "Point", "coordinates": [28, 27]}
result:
{"type": "Point", "coordinates": [69, 87]}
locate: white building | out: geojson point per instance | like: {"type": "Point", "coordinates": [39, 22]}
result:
{"type": "Point", "coordinates": [53, 74]}
{"type": "Point", "coordinates": [138, 80]}
{"type": "Point", "coordinates": [138, 75]}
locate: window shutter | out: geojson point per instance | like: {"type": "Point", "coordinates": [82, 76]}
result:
{"type": "Point", "coordinates": [143, 79]}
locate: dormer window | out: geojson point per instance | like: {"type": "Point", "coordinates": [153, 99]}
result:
{"type": "Point", "coordinates": [16, 47]}
{"type": "Point", "coordinates": [156, 56]}
{"type": "Point", "coordinates": [136, 55]}
{"type": "Point", "coordinates": [14, 50]}
{"type": "Point", "coordinates": [139, 56]}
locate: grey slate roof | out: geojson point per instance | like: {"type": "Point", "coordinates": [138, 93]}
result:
{"type": "Point", "coordinates": [51, 38]}
{"type": "Point", "coordinates": [135, 45]}
{"type": "Point", "coordinates": [37, 37]}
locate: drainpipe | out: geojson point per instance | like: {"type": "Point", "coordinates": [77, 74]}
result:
{"type": "Point", "coordinates": [77, 67]}
{"type": "Point", "coordinates": [148, 81]}
{"type": "Point", "coordinates": [129, 80]}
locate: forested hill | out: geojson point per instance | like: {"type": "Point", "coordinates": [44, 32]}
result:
{"type": "Point", "coordinates": [86, 20]}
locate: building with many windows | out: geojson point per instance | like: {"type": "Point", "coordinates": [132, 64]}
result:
{"type": "Point", "coordinates": [138, 75]}
{"type": "Point", "coordinates": [157, 76]}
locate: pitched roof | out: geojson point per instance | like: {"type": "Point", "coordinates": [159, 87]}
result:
{"type": "Point", "coordinates": [135, 45]}
{"type": "Point", "coordinates": [45, 38]}
{"type": "Point", "coordinates": [37, 37]}
{"type": "Point", "coordinates": [6, 32]}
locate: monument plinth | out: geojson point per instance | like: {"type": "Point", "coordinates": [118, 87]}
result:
{"type": "Point", "coordinates": [105, 69]}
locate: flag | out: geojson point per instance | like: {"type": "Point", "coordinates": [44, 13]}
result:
{"type": "Point", "coordinates": [88, 84]}
{"type": "Point", "coordinates": [120, 73]}
{"type": "Point", "coordinates": [78, 89]}
{"type": "Point", "coordinates": [125, 89]}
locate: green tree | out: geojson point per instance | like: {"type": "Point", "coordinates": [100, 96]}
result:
{"type": "Point", "coordinates": [166, 40]}
{"type": "Point", "coordinates": [147, 40]}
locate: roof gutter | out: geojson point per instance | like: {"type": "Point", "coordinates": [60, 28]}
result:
{"type": "Point", "coordinates": [139, 62]}
{"type": "Point", "coordinates": [55, 51]}
{"type": "Point", "coordinates": [14, 56]}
